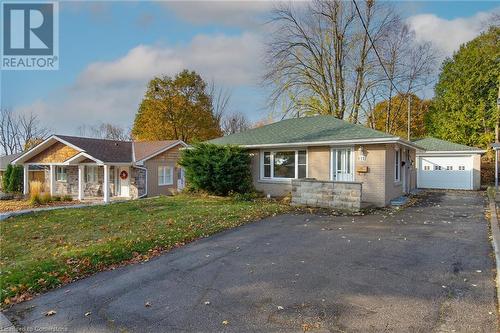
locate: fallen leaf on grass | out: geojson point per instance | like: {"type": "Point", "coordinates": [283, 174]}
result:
{"type": "Point", "coordinates": [50, 313]}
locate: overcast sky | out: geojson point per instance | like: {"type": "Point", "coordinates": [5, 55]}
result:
{"type": "Point", "coordinates": [109, 50]}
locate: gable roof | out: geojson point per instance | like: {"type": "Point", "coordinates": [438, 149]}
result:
{"type": "Point", "coordinates": [5, 160]}
{"type": "Point", "coordinates": [102, 149]}
{"type": "Point", "coordinates": [144, 150]}
{"type": "Point", "coordinates": [433, 144]}
{"type": "Point", "coordinates": [317, 129]}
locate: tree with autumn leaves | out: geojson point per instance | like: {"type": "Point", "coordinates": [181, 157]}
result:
{"type": "Point", "coordinates": [391, 116]}
{"type": "Point", "coordinates": [177, 107]}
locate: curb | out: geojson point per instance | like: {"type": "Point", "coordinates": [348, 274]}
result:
{"type": "Point", "coordinates": [6, 325]}
{"type": "Point", "coordinates": [495, 234]}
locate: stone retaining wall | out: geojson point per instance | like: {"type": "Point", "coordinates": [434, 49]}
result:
{"type": "Point", "coordinates": [326, 194]}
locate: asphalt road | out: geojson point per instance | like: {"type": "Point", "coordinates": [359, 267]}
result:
{"type": "Point", "coordinates": [426, 268]}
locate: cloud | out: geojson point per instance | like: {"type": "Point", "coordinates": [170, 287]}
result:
{"type": "Point", "coordinates": [448, 35]}
{"type": "Point", "coordinates": [110, 91]}
{"type": "Point", "coordinates": [230, 13]}
{"type": "Point", "coordinates": [229, 60]}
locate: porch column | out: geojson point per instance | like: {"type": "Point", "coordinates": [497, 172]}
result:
{"type": "Point", "coordinates": [26, 185]}
{"type": "Point", "coordinates": [80, 182]}
{"type": "Point", "coordinates": [51, 179]}
{"type": "Point", "coordinates": [106, 183]}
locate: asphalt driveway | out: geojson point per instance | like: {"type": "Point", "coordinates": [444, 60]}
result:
{"type": "Point", "coordinates": [424, 269]}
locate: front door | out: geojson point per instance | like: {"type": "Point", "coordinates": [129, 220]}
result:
{"type": "Point", "coordinates": [342, 164]}
{"type": "Point", "coordinates": [124, 181]}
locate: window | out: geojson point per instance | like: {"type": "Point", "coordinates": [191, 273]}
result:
{"type": "Point", "coordinates": [437, 167]}
{"type": "Point", "coordinates": [397, 170]}
{"type": "Point", "coordinates": [267, 164]}
{"type": "Point", "coordinates": [449, 167]}
{"type": "Point", "coordinates": [61, 174]}
{"type": "Point", "coordinates": [165, 175]}
{"type": "Point", "coordinates": [284, 164]}
{"type": "Point", "coordinates": [302, 164]}
{"type": "Point", "coordinates": [461, 167]}
{"type": "Point", "coordinates": [426, 168]}
{"type": "Point", "coordinates": [91, 174]}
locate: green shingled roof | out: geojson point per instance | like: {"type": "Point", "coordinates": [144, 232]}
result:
{"type": "Point", "coordinates": [433, 144]}
{"type": "Point", "coordinates": [307, 129]}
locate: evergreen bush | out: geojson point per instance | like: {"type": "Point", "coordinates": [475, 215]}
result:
{"type": "Point", "coordinates": [217, 169]}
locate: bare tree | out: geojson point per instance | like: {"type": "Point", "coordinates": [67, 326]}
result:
{"type": "Point", "coordinates": [321, 57]}
{"type": "Point", "coordinates": [219, 98]}
{"type": "Point", "coordinates": [234, 123]}
{"type": "Point", "coordinates": [408, 69]}
{"type": "Point", "coordinates": [19, 132]}
{"type": "Point", "coordinates": [105, 131]}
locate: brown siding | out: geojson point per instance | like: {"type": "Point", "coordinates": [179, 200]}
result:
{"type": "Point", "coordinates": [57, 153]}
{"type": "Point", "coordinates": [168, 158]}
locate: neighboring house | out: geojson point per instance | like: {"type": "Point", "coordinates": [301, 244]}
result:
{"type": "Point", "coordinates": [447, 165]}
{"type": "Point", "coordinates": [95, 168]}
{"type": "Point", "coordinates": [328, 150]}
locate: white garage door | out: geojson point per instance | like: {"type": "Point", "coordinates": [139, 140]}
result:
{"type": "Point", "coordinates": [445, 172]}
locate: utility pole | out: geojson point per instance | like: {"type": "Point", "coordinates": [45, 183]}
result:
{"type": "Point", "coordinates": [409, 116]}
{"type": "Point", "coordinates": [498, 116]}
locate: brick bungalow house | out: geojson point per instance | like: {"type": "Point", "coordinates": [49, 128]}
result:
{"type": "Point", "coordinates": [339, 164]}
{"type": "Point", "coordinates": [89, 168]}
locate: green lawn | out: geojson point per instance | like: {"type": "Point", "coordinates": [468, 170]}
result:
{"type": "Point", "coordinates": [43, 250]}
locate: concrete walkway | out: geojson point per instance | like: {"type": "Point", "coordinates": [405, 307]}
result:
{"type": "Point", "coordinates": [426, 268]}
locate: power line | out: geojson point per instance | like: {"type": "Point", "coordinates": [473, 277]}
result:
{"type": "Point", "coordinates": [374, 48]}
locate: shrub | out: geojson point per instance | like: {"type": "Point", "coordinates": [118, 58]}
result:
{"type": "Point", "coordinates": [45, 198]}
{"type": "Point", "coordinates": [35, 199]}
{"type": "Point", "coordinates": [217, 169]}
{"type": "Point", "coordinates": [56, 198]}
{"type": "Point", "coordinates": [15, 179]}
{"type": "Point", "coordinates": [6, 178]}
{"type": "Point", "coordinates": [67, 197]}
{"type": "Point", "coordinates": [36, 187]}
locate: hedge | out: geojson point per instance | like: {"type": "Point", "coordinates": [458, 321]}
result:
{"type": "Point", "coordinates": [217, 169]}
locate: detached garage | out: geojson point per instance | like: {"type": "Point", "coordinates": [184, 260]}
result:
{"type": "Point", "coordinates": [447, 165]}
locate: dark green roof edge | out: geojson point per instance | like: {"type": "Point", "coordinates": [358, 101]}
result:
{"type": "Point", "coordinates": [435, 144]}
{"type": "Point", "coordinates": [314, 129]}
